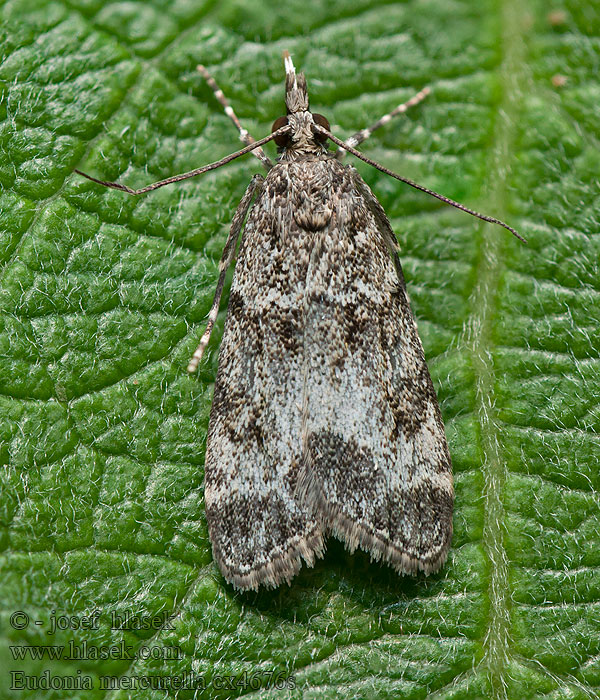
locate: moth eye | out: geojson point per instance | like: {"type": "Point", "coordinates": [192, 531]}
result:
{"type": "Point", "coordinates": [282, 139]}
{"type": "Point", "coordinates": [321, 121]}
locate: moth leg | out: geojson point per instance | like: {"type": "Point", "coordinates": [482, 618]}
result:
{"type": "Point", "coordinates": [364, 134]}
{"type": "Point", "coordinates": [245, 136]}
{"type": "Point", "coordinates": [226, 260]}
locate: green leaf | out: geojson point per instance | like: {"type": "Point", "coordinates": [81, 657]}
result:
{"type": "Point", "coordinates": [103, 299]}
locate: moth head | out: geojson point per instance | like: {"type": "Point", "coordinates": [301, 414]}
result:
{"type": "Point", "coordinates": [286, 139]}
{"type": "Point", "coordinates": [298, 117]}
{"type": "Point", "coordinates": [321, 121]}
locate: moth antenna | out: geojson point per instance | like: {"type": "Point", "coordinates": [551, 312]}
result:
{"type": "Point", "coordinates": [191, 173]}
{"type": "Point", "coordinates": [437, 195]}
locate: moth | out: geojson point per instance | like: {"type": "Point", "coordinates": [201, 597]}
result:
{"type": "Point", "coordinates": [324, 420]}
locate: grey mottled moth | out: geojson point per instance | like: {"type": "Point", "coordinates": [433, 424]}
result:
{"type": "Point", "coordinates": [324, 418]}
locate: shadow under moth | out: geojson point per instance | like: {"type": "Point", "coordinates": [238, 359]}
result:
{"type": "Point", "coordinates": [324, 419]}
